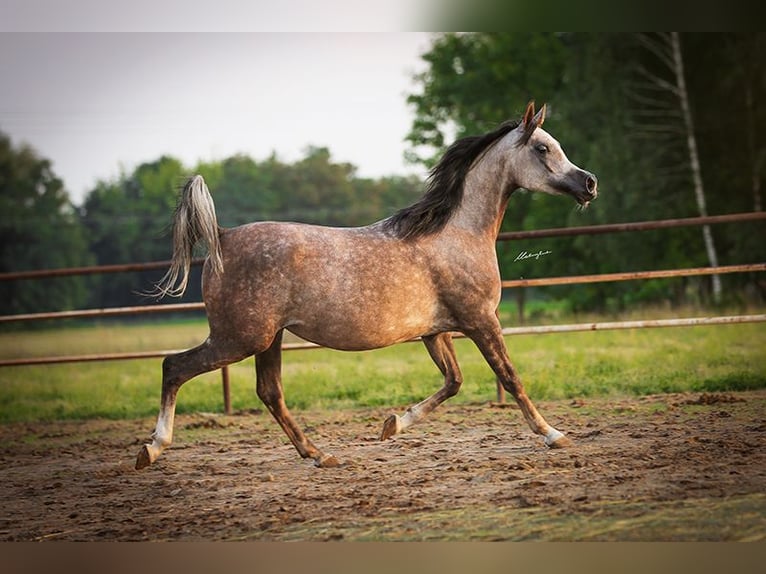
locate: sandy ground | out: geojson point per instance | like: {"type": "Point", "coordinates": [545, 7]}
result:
{"type": "Point", "coordinates": [663, 467]}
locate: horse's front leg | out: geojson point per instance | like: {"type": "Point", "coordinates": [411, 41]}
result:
{"type": "Point", "coordinates": [490, 342]}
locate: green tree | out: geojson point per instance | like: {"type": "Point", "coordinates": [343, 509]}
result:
{"type": "Point", "coordinates": [727, 83]}
{"type": "Point", "coordinates": [376, 199]}
{"type": "Point", "coordinates": [315, 189]}
{"type": "Point", "coordinates": [39, 229]}
{"type": "Point", "coordinates": [243, 189]}
{"type": "Point", "coordinates": [128, 222]}
{"type": "Point", "coordinates": [475, 81]}
{"type": "Point", "coordinates": [724, 76]}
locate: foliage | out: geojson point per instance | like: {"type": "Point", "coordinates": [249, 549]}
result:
{"type": "Point", "coordinates": [474, 81]}
{"type": "Point", "coordinates": [127, 222]}
{"type": "Point", "coordinates": [312, 190]}
{"type": "Point", "coordinates": [39, 229]}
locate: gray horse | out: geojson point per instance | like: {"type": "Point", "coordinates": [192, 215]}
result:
{"type": "Point", "coordinates": [427, 271]}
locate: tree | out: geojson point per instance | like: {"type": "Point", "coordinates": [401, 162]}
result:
{"type": "Point", "coordinates": [726, 78]}
{"type": "Point", "coordinates": [243, 189]}
{"type": "Point", "coordinates": [666, 47]}
{"type": "Point", "coordinates": [38, 230]}
{"type": "Point", "coordinates": [315, 189]}
{"type": "Point", "coordinates": [691, 142]}
{"type": "Point", "coordinates": [128, 222]}
{"type": "Point", "coordinates": [749, 50]}
{"type": "Point", "coordinates": [476, 81]}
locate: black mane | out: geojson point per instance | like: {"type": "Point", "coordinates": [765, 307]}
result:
{"type": "Point", "coordinates": [444, 190]}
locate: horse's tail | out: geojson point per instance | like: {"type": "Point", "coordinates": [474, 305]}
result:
{"type": "Point", "coordinates": [194, 221]}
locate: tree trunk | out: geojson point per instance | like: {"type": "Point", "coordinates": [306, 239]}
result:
{"type": "Point", "coordinates": [699, 191]}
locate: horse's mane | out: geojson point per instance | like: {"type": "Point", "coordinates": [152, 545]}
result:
{"type": "Point", "coordinates": [444, 188]}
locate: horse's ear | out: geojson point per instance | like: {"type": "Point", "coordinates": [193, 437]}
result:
{"type": "Point", "coordinates": [540, 116]}
{"type": "Point", "coordinates": [529, 114]}
{"type": "Point", "coordinates": [529, 122]}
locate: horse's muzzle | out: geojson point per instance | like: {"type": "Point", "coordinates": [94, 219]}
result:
{"type": "Point", "coordinates": [581, 185]}
{"type": "Point", "coordinates": [589, 192]}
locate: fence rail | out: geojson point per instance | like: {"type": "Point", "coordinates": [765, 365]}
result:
{"type": "Point", "coordinates": [505, 236]}
{"type": "Point", "coordinates": [632, 275]}
{"type": "Point", "coordinates": [634, 226]}
{"type": "Point", "coordinates": [91, 270]}
{"type": "Point", "coordinates": [109, 312]}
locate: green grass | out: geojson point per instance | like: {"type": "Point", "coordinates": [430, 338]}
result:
{"type": "Point", "coordinates": [554, 366]}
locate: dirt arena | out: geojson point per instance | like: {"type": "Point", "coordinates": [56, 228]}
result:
{"type": "Point", "coordinates": [665, 467]}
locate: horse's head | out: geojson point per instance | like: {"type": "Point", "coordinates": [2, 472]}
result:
{"type": "Point", "coordinates": [539, 163]}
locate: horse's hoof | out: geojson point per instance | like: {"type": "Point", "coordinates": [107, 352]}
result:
{"type": "Point", "coordinates": [561, 442]}
{"type": "Point", "coordinates": [327, 461]}
{"type": "Point", "coordinates": [391, 427]}
{"type": "Point", "coordinates": [143, 459]}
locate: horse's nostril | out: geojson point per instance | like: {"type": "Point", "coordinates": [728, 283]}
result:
{"type": "Point", "coordinates": [591, 183]}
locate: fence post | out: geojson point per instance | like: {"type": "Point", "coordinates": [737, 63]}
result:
{"type": "Point", "coordinates": [226, 390]}
{"type": "Point", "coordinates": [500, 393]}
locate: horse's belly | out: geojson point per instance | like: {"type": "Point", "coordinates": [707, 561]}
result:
{"type": "Point", "coordinates": [351, 330]}
{"type": "Point", "coordinates": [362, 342]}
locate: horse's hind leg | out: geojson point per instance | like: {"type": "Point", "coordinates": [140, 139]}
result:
{"type": "Point", "coordinates": [268, 370]}
{"type": "Point", "coordinates": [491, 344]}
{"type": "Point", "coordinates": [442, 352]}
{"type": "Point", "coordinates": [176, 370]}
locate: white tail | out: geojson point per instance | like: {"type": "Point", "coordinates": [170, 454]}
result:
{"type": "Point", "coordinates": [194, 221]}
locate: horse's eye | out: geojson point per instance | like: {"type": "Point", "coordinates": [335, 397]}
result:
{"type": "Point", "coordinates": [542, 148]}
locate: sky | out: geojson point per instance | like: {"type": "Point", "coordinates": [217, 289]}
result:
{"type": "Point", "coordinates": [99, 104]}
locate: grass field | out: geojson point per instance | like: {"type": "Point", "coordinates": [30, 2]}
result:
{"type": "Point", "coordinates": [555, 366]}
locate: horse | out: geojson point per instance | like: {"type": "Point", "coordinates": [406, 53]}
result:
{"type": "Point", "coordinates": [428, 271]}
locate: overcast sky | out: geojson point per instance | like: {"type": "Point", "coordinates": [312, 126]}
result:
{"type": "Point", "coordinates": [96, 104]}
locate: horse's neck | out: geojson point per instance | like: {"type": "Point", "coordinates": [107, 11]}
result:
{"type": "Point", "coordinates": [484, 199]}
